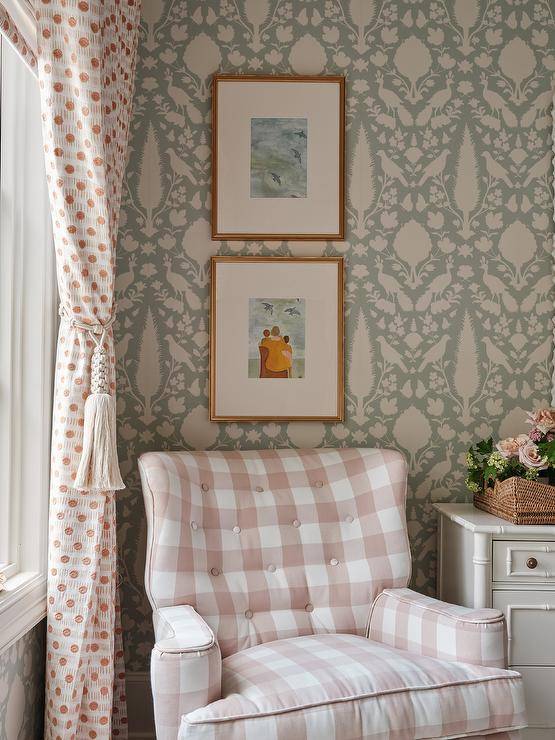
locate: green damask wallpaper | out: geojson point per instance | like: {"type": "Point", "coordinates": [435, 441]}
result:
{"type": "Point", "coordinates": [448, 248]}
{"type": "Point", "coordinates": [22, 687]}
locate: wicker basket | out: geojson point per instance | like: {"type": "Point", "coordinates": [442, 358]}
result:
{"type": "Point", "coordinates": [519, 501]}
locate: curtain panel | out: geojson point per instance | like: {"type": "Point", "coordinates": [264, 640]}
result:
{"type": "Point", "coordinates": [18, 26]}
{"type": "Point", "coordinates": [86, 65]}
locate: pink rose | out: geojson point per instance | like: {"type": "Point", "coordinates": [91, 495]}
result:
{"type": "Point", "coordinates": [508, 447]}
{"type": "Point", "coordinates": [530, 456]}
{"type": "Point", "coordinates": [543, 419]}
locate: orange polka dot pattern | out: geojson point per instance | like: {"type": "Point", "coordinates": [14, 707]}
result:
{"type": "Point", "coordinates": [9, 30]}
{"type": "Point", "coordinates": [86, 67]}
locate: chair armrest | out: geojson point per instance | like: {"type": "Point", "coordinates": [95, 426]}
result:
{"type": "Point", "coordinates": [180, 629]}
{"type": "Point", "coordinates": [185, 667]}
{"type": "Point", "coordinates": [419, 624]}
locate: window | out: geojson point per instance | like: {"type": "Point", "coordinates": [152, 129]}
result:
{"type": "Point", "coordinates": [27, 343]}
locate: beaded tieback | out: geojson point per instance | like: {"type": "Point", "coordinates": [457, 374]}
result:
{"type": "Point", "coordinates": [99, 377]}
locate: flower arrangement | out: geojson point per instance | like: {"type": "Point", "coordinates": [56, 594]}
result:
{"type": "Point", "coordinates": [524, 456]}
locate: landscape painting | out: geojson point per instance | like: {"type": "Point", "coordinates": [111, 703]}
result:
{"type": "Point", "coordinates": [278, 157]}
{"type": "Point", "coordinates": [276, 338]}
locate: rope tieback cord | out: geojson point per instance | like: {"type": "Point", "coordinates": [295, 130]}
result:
{"type": "Point", "coordinates": [98, 468]}
{"type": "Point", "coordinates": [99, 359]}
{"type": "Point", "coordinates": [97, 326]}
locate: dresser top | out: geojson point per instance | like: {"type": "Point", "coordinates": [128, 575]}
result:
{"type": "Point", "coordinates": [469, 517]}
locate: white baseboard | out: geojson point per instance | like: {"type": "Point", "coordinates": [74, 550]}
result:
{"type": "Point", "coordinates": [139, 706]}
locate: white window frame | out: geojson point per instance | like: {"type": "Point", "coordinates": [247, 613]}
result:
{"type": "Point", "coordinates": [28, 325]}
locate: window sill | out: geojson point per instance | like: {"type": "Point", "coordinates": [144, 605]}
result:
{"type": "Point", "coordinates": [22, 606]}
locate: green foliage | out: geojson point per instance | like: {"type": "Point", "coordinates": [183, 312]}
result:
{"type": "Point", "coordinates": [485, 447]}
{"type": "Point", "coordinates": [478, 468]}
{"type": "Point", "coordinates": [547, 449]}
{"type": "Point", "coordinates": [486, 465]}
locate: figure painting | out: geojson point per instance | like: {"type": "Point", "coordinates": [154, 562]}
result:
{"type": "Point", "coordinates": [278, 157]}
{"type": "Point", "coordinates": [276, 338]}
{"type": "Point", "coordinates": [276, 318]}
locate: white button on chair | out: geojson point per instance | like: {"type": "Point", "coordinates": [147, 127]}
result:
{"type": "Point", "coordinates": [194, 525]}
{"type": "Point", "coordinates": [334, 561]}
{"type": "Point", "coordinates": [204, 486]}
{"type": "Point", "coordinates": [259, 489]}
{"type": "Point", "coordinates": [272, 568]}
{"type": "Point", "coordinates": [309, 608]}
{"type": "Point", "coordinates": [349, 519]}
{"type": "Point", "coordinates": [215, 571]}
{"type": "Point", "coordinates": [296, 523]}
{"type": "Point", "coordinates": [248, 614]}
{"type": "Point", "coordinates": [236, 530]}
{"type": "Point", "coordinates": [319, 484]}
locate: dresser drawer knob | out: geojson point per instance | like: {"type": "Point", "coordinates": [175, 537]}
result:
{"type": "Point", "coordinates": [531, 563]}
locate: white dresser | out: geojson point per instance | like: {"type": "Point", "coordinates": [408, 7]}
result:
{"type": "Point", "coordinates": [484, 561]}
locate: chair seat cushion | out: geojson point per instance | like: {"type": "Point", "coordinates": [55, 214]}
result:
{"type": "Point", "coordinates": [346, 687]}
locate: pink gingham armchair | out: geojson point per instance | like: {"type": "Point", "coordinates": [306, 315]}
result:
{"type": "Point", "coordinates": [278, 583]}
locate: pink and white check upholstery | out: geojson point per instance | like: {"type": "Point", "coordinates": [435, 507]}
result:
{"type": "Point", "coordinates": [186, 666]}
{"type": "Point", "coordinates": [410, 621]}
{"type": "Point", "coordinates": [275, 558]}
{"type": "Point", "coordinates": [274, 544]}
{"type": "Point", "coordinates": [345, 686]}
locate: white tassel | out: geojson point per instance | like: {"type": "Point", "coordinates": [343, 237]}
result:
{"type": "Point", "coordinates": [98, 468]}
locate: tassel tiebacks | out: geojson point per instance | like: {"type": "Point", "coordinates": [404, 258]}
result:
{"type": "Point", "coordinates": [98, 468]}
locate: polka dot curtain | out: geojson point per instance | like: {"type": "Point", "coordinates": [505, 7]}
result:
{"type": "Point", "coordinates": [86, 64]}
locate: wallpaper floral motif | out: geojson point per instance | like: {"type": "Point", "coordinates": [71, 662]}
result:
{"type": "Point", "coordinates": [448, 247]}
{"type": "Point", "coordinates": [22, 687]}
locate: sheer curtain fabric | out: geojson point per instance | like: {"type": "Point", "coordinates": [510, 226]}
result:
{"type": "Point", "coordinates": [18, 26]}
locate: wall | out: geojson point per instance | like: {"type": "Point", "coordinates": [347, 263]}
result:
{"type": "Point", "coordinates": [22, 687]}
{"type": "Point", "coordinates": [448, 246]}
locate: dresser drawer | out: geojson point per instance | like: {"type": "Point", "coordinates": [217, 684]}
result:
{"type": "Point", "coordinates": [530, 619]}
{"type": "Point", "coordinates": [523, 562]}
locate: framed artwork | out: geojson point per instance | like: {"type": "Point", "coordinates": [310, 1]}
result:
{"type": "Point", "coordinates": [276, 339]}
{"type": "Point", "coordinates": [278, 160]}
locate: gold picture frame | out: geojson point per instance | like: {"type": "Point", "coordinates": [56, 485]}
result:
{"type": "Point", "coordinates": [318, 212]}
{"type": "Point", "coordinates": [306, 294]}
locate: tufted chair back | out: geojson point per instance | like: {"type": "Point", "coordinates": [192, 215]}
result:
{"type": "Point", "coordinates": [273, 544]}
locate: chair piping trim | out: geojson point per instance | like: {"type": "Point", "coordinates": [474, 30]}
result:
{"type": "Point", "coordinates": [511, 676]}
{"type": "Point", "coordinates": [424, 607]}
